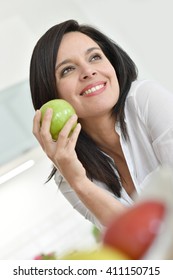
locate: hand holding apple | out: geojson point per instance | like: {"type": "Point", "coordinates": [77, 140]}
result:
{"type": "Point", "coordinates": [62, 125]}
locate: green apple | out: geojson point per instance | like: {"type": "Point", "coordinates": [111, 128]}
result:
{"type": "Point", "coordinates": [62, 111]}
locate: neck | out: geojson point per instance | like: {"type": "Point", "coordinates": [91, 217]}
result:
{"type": "Point", "coordinates": [102, 131]}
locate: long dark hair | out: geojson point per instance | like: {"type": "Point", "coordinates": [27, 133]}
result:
{"type": "Point", "coordinates": [43, 88]}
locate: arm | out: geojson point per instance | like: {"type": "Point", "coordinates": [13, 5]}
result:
{"type": "Point", "coordinates": [98, 201]}
{"type": "Point", "coordinates": [63, 155]}
{"type": "Point", "coordinates": [74, 200]}
{"type": "Point", "coordinates": [77, 203]}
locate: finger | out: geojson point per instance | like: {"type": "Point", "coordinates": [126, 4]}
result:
{"type": "Point", "coordinates": [74, 136]}
{"type": "Point", "coordinates": [63, 136]}
{"type": "Point", "coordinates": [36, 123]}
{"type": "Point", "coordinates": [48, 143]}
{"type": "Point", "coordinates": [36, 126]}
{"type": "Point", "coordinates": [45, 126]}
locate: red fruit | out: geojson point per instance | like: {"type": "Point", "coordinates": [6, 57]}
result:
{"type": "Point", "coordinates": [50, 256]}
{"type": "Point", "coordinates": [134, 231]}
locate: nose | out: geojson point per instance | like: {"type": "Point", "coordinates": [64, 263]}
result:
{"type": "Point", "coordinates": [87, 73]}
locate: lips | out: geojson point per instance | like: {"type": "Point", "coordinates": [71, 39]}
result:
{"type": "Point", "coordinates": [92, 88]}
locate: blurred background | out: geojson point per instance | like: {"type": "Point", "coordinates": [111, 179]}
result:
{"type": "Point", "coordinates": [34, 217]}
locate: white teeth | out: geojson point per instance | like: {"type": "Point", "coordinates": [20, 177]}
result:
{"type": "Point", "coordinates": [93, 89]}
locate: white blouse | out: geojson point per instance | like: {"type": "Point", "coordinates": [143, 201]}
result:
{"type": "Point", "coordinates": [149, 122]}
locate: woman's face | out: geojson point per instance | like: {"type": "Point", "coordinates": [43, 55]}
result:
{"type": "Point", "coordinates": [85, 77]}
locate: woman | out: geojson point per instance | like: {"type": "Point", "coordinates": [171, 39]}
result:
{"type": "Point", "coordinates": [125, 126]}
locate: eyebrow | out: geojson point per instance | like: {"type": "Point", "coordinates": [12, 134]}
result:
{"type": "Point", "coordinates": [88, 51]}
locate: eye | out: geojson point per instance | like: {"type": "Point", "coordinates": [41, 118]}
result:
{"type": "Point", "coordinates": [67, 70]}
{"type": "Point", "coordinates": [96, 57]}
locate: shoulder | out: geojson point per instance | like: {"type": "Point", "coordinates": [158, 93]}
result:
{"type": "Point", "coordinates": [143, 87]}
{"type": "Point", "coordinates": [144, 94]}
{"type": "Point", "coordinates": [147, 88]}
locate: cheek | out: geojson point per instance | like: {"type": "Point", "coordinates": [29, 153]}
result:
{"type": "Point", "coordinates": [115, 80]}
{"type": "Point", "coordinates": [110, 73]}
{"type": "Point", "coordinates": [64, 90]}
{"type": "Point", "coordinates": [113, 74]}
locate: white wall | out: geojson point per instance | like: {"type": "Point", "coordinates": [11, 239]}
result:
{"type": "Point", "coordinates": [142, 27]}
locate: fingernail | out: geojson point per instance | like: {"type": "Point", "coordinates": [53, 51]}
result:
{"type": "Point", "coordinates": [74, 117]}
{"type": "Point", "coordinates": [37, 112]}
{"type": "Point", "coordinates": [49, 111]}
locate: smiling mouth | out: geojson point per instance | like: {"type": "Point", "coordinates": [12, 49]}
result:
{"type": "Point", "coordinates": [93, 89]}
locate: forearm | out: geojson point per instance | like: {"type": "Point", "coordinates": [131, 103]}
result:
{"type": "Point", "coordinates": [103, 206]}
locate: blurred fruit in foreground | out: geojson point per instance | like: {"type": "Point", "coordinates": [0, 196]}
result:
{"type": "Point", "coordinates": [97, 234]}
{"type": "Point", "coordinates": [160, 187]}
{"type": "Point", "coordinates": [134, 231]}
{"type": "Point", "coordinates": [102, 253]}
{"type": "Point", "coordinates": [50, 256]}
{"type": "Point", "coordinates": [145, 231]}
